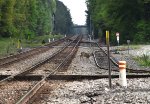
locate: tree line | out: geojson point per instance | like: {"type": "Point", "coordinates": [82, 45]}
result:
{"type": "Point", "coordinates": [27, 18]}
{"type": "Point", "coordinates": [63, 20]}
{"type": "Point", "coordinates": [131, 18]}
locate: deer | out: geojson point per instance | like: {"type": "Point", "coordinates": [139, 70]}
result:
{"type": "Point", "coordinates": [86, 55]}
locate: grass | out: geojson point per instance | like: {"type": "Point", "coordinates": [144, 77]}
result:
{"type": "Point", "coordinates": [143, 60]}
{"type": "Point", "coordinates": [134, 46]}
{"type": "Point", "coordinates": [7, 47]}
{"type": "Point", "coordinates": [10, 45]}
{"type": "Point", "coordinates": [39, 40]}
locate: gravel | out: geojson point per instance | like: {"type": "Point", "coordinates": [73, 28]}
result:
{"type": "Point", "coordinates": [91, 91]}
{"type": "Point", "coordinates": [12, 91]}
{"type": "Point", "coordinates": [131, 63]}
{"type": "Point", "coordinates": [84, 66]}
{"type": "Point", "coordinates": [24, 64]}
{"type": "Point", "coordinates": [144, 49]}
{"type": "Point", "coordinates": [96, 92]}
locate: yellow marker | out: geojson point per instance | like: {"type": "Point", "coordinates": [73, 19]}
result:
{"type": "Point", "coordinates": [107, 37]}
{"type": "Point", "coordinates": [18, 44]}
{"type": "Point", "coordinates": [108, 54]}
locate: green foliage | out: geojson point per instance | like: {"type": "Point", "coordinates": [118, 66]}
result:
{"type": "Point", "coordinates": [53, 5]}
{"type": "Point", "coordinates": [63, 21]}
{"type": "Point", "coordinates": [143, 33]}
{"type": "Point", "coordinates": [9, 45]}
{"type": "Point", "coordinates": [143, 60]}
{"type": "Point", "coordinates": [123, 16]}
{"type": "Point", "coordinates": [6, 21]}
{"type": "Point", "coordinates": [26, 18]}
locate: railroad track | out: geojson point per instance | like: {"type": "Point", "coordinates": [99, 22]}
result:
{"type": "Point", "coordinates": [39, 85]}
{"type": "Point", "coordinates": [60, 63]}
{"type": "Point", "coordinates": [101, 61]}
{"type": "Point", "coordinates": [38, 81]}
{"type": "Point", "coordinates": [68, 77]}
{"type": "Point", "coordinates": [5, 62]}
{"type": "Point", "coordinates": [33, 67]}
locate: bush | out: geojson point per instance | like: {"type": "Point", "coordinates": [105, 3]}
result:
{"type": "Point", "coordinates": [143, 32]}
{"type": "Point", "coordinates": [43, 42]}
{"type": "Point", "coordinates": [143, 60]}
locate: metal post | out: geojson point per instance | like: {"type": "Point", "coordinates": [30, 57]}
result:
{"type": "Point", "coordinates": [53, 25]}
{"type": "Point", "coordinates": [108, 52]}
{"type": "Point", "coordinates": [128, 48]}
{"type": "Point", "coordinates": [128, 41]}
{"type": "Point", "coordinates": [90, 27]}
{"type": "Point", "coordinates": [109, 66]}
{"type": "Point", "coordinates": [118, 48]}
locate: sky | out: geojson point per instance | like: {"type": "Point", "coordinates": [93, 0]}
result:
{"type": "Point", "coordinates": [77, 9]}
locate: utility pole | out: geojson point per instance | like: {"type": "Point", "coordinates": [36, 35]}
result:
{"type": "Point", "coordinates": [90, 27]}
{"type": "Point", "coordinates": [53, 25]}
{"type": "Point", "coordinates": [53, 22]}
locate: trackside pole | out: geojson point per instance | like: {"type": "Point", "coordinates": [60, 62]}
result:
{"type": "Point", "coordinates": [109, 67]}
{"type": "Point", "coordinates": [49, 40]}
{"type": "Point", "coordinates": [122, 74]}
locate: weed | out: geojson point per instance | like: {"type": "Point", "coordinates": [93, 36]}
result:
{"type": "Point", "coordinates": [143, 60]}
{"type": "Point", "coordinates": [9, 45]}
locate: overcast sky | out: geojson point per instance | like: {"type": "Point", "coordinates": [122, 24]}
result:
{"type": "Point", "coordinates": [77, 9]}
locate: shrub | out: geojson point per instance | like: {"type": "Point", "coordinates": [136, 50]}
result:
{"type": "Point", "coordinates": [143, 60]}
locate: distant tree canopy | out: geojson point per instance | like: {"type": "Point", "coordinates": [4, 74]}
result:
{"type": "Point", "coordinates": [26, 17]}
{"type": "Point", "coordinates": [131, 18]}
{"type": "Point", "coordinates": [63, 20]}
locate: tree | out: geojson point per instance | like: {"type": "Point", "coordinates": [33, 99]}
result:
{"type": "Point", "coordinates": [122, 16]}
{"type": "Point", "coordinates": [63, 24]}
{"type": "Point", "coordinates": [7, 9]}
{"type": "Point", "coordinates": [20, 18]}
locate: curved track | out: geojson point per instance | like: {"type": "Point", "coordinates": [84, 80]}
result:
{"type": "Point", "coordinates": [101, 60]}
{"type": "Point", "coordinates": [49, 67]}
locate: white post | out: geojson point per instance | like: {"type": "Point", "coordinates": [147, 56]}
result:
{"type": "Point", "coordinates": [49, 40]}
{"type": "Point", "coordinates": [122, 74]}
{"type": "Point", "coordinates": [53, 39]}
{"type": "Point", "coordinates": [118, 40]}
{"type": "Point", "coordinates": [117, 35]}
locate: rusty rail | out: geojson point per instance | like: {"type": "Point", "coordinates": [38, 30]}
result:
{"type": "Point", "coordinates": [39, 85]}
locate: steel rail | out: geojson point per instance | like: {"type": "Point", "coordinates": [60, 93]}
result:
{"type": "Point", "coordinates": [37, 64]}
{"type": "Point", "coordinates": [28, 50]}
{"type": "Point", "coordinates": [39, 85]}
{"type": "Point", "coordinates": [13, 58]}
{"type": "Point", "coordinates": [130, 70]}
{"type": "Point", "coordinates": [97, 64]}
{"type": "Point", "coordinates": [11, 61]}
{"type": "Point", "coordinates": [72, 77]}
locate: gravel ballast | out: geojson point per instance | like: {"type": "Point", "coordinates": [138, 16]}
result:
{"type": "Point", "coordinates": [85, 66]}
{"type": "Point", "coordinates": [91, 91]}
{"type": "Point", "coordinates": [24, 64]}
{"type": "Point", "coordinates": [131, 63]}
{"type": "Point", "coordinates": [11, 92]}
{"type": "Point", "coordinates": [94, 91]}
